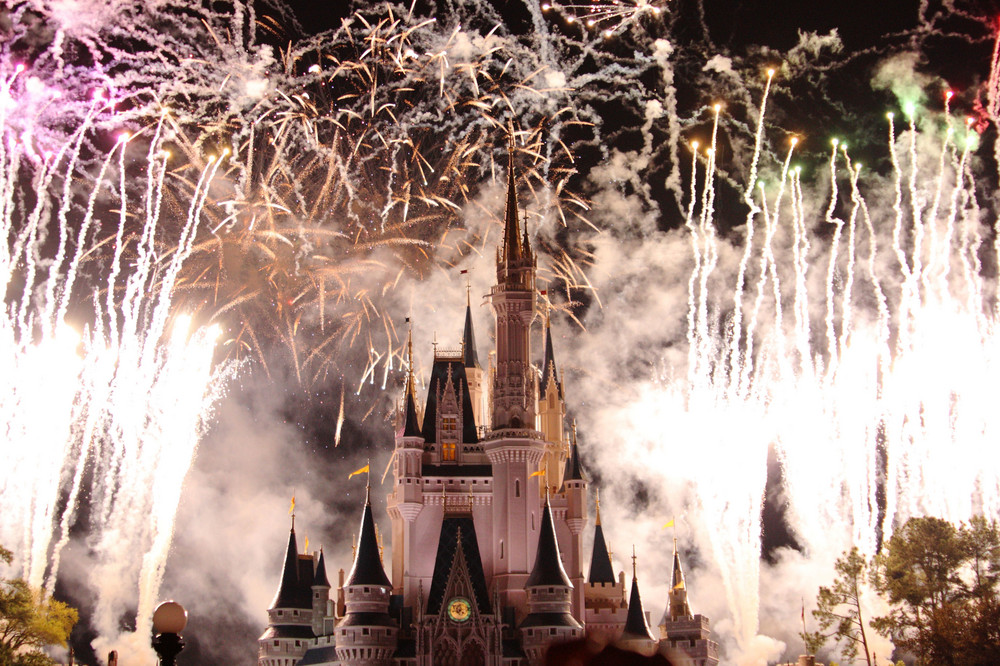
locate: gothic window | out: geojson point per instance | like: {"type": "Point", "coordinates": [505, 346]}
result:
{"type": "Point", "coordinates": [447, 451]}
{"type": "Point", "coordinates": [449, 423]}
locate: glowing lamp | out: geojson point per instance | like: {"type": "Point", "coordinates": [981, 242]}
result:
{"type": "Point", "coordinates": [169, 618]}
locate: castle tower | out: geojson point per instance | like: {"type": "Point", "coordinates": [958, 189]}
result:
{"type": "Point", "coordinates": [320, 597]}
{"type": "Point", "coordinates": [513, 301]}
{"type": "Point", "coordinates": [680, 629]}
{"type": "Point", "coordinates": [549, 597]}
{"type": "Point", "coordinates": [367, 635]}
{"type": "Point", "coordinates": [574, 490]}
{"type": "Point", "coordinates": [290, 618]}
{"type": "Point", "coordinates": [406, 502]}
{"type": "Point", "coordinates": [636, 637]}
{"type": "Point", "coordinates": [605, 608]}
{"type": "Point", "coordinates": [514, 448]}
{"type": "Point", "coordinates": [551, 414]}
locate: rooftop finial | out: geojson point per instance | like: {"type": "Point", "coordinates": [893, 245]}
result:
{"type": "Point", "coordinates": [598, 522]}
{"type": "Point", "coordinates": [409, 357]}
{"type": "Point", "coordinates": [633, 561]}
{"type": "Point", "coordinates": [368, 482]}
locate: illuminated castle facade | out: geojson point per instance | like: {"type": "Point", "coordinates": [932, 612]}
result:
{"type": "Point", "coordinates": [487, 523]}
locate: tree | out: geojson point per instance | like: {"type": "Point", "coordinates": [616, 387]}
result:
{"type": "Point", "coordinates": [30, 621]}
{"type": "Point", "coordinates": [839, 609]}
{"type": "Point", "coordinates": [942, 586]}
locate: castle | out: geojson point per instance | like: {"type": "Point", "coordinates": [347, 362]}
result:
{"type": "Point", "coordinates": [487, 523]}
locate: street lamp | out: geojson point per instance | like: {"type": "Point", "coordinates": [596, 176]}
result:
{"type": "Point", "coordinates": [169, 620]}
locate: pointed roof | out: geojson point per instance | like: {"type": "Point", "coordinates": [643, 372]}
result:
{"type": "Point", "coordinates": [549, 365]}
{"type": "Point", "coordinates": [443, 368]}
{"type": "Point", "coordinates": [469, 354]}
{"type": "Point", "coordinates": [290, 590]}
{"type": "Point", "coordinates": [600, 562]}
{"type": "Point", "coordinates": [548, 569]}
{"type": "Point", "coordinates": [320, 579]}
{"type": "Point", "coordinates": [458, 533]}
{"type": "Point", "coordinates": [635, 622]}
{"type": "Point", "coordinates": [367, 569]}
{"type": "Point", "coordinates": [411, 426]}
{"type": "Point", "coordinates": [574, 469]}
{"type": "Point", "coordinates": [512, 250]}
{"type": "Point", "coordinates": [677, 579]}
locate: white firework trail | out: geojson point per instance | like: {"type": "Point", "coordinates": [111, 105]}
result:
{"type": "Point", "coordinates": [890, 398]}
{"type": "Point", "coordinates": [105, 420]}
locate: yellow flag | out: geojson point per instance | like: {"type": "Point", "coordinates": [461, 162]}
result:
{"type": "Point", "coordinates": [538, 473]}
{"type": "Point", "coordinates": [358, 471]}
{"type": "Point", "coordinates": [291, 509]}
{"type": "Point", "coordinates": [669, 523]}
{"type": "Point", "coordinates": [306, 550]}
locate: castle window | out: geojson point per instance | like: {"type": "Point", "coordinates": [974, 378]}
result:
{"type": "Point", "coordinates": [449, 423]}
{"type": "Point", "coordinates": [532, 520]}
{"type": "Point", "coordinates": [364, 632]}
{"type": "Point", "coordinates": [501, 549]}
{"type": "Point", "coordinates": [517, 487]}
{"type": "Point", "coordinates": [447, 451]}
{"type": "Point", "coordinates": [277, 643]}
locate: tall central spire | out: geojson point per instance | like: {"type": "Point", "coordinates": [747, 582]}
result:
{"type": "Point", "coordinates": [513, 300]}
{"type": "Point", "coordinates": [512, 250]}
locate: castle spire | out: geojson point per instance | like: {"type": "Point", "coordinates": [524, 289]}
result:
{"type": "Point", "coordinates": [512, 250]}
{"type": "Point", "coordinates": [288, 595]}
{"type": "Point", "coordinates": [548, 569]}
{"type": "Point", "coordinates": [601, 570]}
{"type": "Point", "coordinates": [469, 355]}
{"type": "Point", "coordinates": [411, 427]}
{"type": "Point", "coordinates": [635, 623]}
{"type": "Point", "coordinates": [550, 376]}
{"type": "Point", "coordinates": [574, 469]}
{"type": "Point", "coordinates": [678, 606]}
{"type": "Point", "coordinates": [367, 569]}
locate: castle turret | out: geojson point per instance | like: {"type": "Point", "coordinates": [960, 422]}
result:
{"type": "Point", "coordinates": [551, 413]}
{"type": "Point", "coordinates": [574, 489]}
{"type": "Point", "coordinates": [290, 617]}
{"type": "Point", "coordinates": [367, 635]}
{"type": "Point", "coordinates": [405, 502]}
{"type": "Point", "coordinates": [320, 597]}
{"type": "Point", "coordinates": [680, 629]}
{"type": "Point", "coordinates": [636, 636]}
{"type": "Point", "coordinates": [549, 589]}
{"type": "Point", "coordinates": [605, 608]}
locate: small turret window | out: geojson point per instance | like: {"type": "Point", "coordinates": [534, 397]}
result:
{"type": "Point", "coordinates": [501, 549]}
{"type": "Point", "coordinates": [517, 487]}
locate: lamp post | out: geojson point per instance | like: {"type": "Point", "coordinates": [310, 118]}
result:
{"type": "Point", "coordinates": [169, 620]}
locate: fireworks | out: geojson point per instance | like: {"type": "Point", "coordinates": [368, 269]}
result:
{"type": "Point", "coordinates": [604, 17]}
{"type": "Point", "coordinates": [280, 199]}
